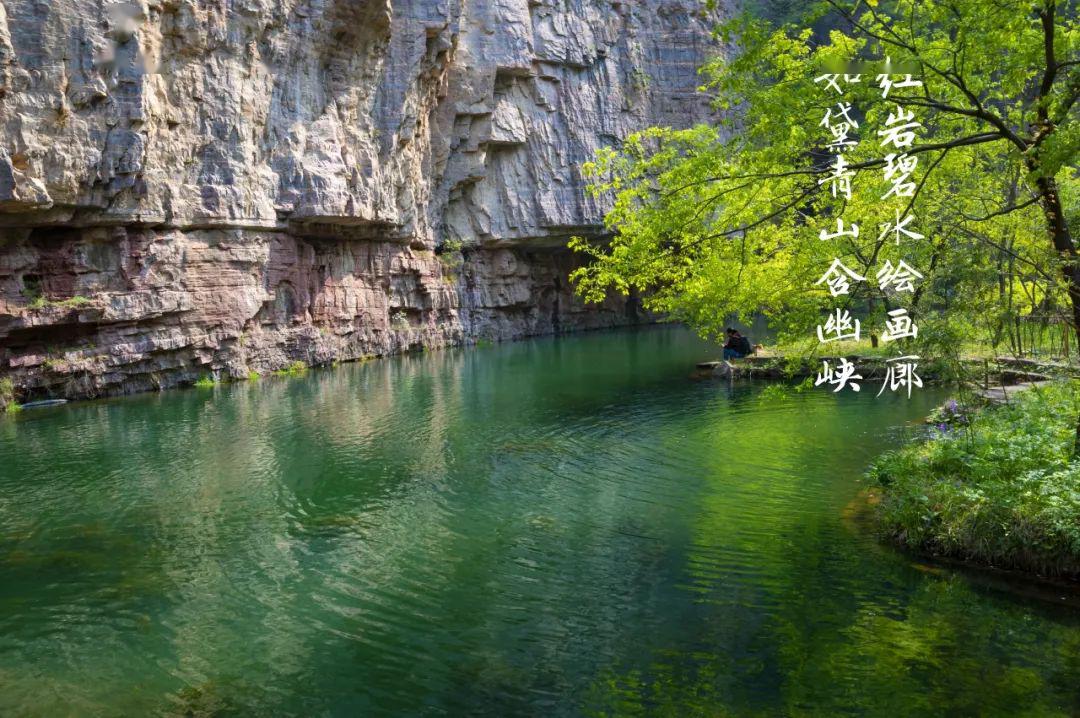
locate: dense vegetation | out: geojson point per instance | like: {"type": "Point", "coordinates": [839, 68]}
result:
{"type": "Point", "coordinates": [728, 219]}
{"type": "Point", "coordinates": [999, 487]}
{"type": "Point", "coordinates": [724, 219]}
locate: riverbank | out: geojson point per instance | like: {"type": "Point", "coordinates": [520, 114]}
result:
{"type": "Point", "coordinates": [464, 534]}
{"type": "Point", "coordinates": [259, 302]}
{"type": "Point", "coordinates": [997, 486]}
{"type": "Point", "coordinates": [981, 373]}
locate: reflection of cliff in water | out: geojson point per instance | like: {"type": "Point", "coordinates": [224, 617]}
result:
{"type": "Point", "coordinates": [553, 526]}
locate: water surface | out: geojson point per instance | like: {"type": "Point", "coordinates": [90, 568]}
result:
{"type": "Point", "coordinates": [556, 527]}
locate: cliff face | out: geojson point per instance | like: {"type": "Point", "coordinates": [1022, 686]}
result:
{"type": "Point", "coordinates": [211, 187]}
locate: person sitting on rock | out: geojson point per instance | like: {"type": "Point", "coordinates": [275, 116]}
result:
{"type": "Point", "coordinates": [737, 345]}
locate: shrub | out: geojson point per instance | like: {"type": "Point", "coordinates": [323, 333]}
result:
{"type": "Point", "coordinates": [295, 369]}
{"type": "Point", "coordinates": [7, 396]}
{"type": "Point", "coordinates": [40, 301]}
{"type": "Point", "coordinates": [1000, 487]}
{"type": "Point", "coordinates": [399, 322]}
{"type": "Point", "coordinates": [450, 254]}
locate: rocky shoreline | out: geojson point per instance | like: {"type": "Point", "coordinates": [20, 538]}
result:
{"type": "Point", "coordinates": [991, 377]}
{"type": "Point", "coordinates": [170, 309]}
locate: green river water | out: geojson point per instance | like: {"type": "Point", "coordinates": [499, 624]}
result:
{"type": "Point", "coordinates": [555, 527]}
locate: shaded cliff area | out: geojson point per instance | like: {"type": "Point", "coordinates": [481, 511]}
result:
{"type": "Point", "coordinates": [214, 187]}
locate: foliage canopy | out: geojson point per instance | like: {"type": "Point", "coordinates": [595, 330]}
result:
{"type": "Point", "coordinates": [723, 219]}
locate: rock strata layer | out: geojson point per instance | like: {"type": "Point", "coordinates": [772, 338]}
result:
{"type": "Point", "coordinates": [194, 188]}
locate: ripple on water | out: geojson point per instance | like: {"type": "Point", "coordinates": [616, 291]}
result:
{"type": "Point", "coordinates": [551, 527]}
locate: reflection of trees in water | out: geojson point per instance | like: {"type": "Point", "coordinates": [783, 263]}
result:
{"type": "Point", "coordinates": [942, 654]}
{"type": "Point", "coordinates": [571, 522]}
{"type": "Point", "coordinates": [779, 615]}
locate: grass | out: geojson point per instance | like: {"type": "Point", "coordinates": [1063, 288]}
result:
{"type": "Point", "coordinates": [862, 348]}
{"type": "Point", "coordinates": [957, 346]}
{"type": "Point", "coordinates": [295, 369]}
{"type": "Point", "coordinates": [943, 360]}
{"type": "Point", "coordinates": [206, 382]}
{"type": "Point", "coordinates": [998, 487]}
{"type": "Point", "coordinates": [42, 302]}
{"type": "Point", "coordinates": [8, 402]}
{"type": "Point", "coordinates": [253, 375]}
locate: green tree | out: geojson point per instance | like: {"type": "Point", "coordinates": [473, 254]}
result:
{"type": "Point", "coordinates": [723, 219]}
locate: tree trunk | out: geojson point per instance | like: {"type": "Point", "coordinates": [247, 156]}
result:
{"type": "Point", "coordinates": [1070, 268]}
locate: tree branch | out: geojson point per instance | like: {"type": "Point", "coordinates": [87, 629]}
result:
{"type": "Point", "coordinates": [979, 236]}
{"type": "Point", "coordinates": [980, 113]}
{"type": "Point", "coordinates": [1072, 92]}
{"type": "Point", "coordinates": [953, 79]}
{"type": "Point", "coordinates": [1046, 15]}
{"type": "Point", "coordinates": [1003, 210]}
{"type": "Point", "coordinates": [978, 139]}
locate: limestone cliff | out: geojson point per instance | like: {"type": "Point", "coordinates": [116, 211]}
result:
{"type": "Point", "coordinates": [211, 187]}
